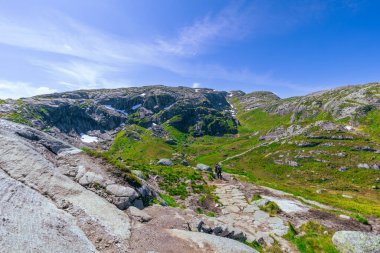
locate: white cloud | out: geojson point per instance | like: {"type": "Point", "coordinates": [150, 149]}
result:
{"type": "Point", "coordinates": [230, 23]}
{"type": "Point", "coordinates": [196, 85]}
{"type": "Point", "coordinates": [89, 58]}
{"type": "Point", "coordinates": [21, 89]}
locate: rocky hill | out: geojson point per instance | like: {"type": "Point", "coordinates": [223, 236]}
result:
{"type": "Point", "coordinates": [303, 172]}
{"type": "Point", "coordinates": [198, 111]}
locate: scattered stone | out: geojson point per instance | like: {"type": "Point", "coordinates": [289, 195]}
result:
{"type": "Point", "coordinates": [356, 242]}
{"type": "Point", "coordinates": [139, 174]}
{"type": "Point", "coordinates": [342, 169]}
{"type": "Point", "coordinates": [90, 178]}
{"type": "Point", "coordinates": [346, 196]}
{"type": "Point", "coordinates": [320, 191]}
{"type": "Point", "coordinates": [203, 167]}
{"type": "Point", "coordinates": [344, 217]}
{"type": "Point", "coordinates": [365, 148]}
{"type": "Point", "coordinates": [165, 162]}
{"type": "Point", "coordinates": [292, 163]}
{"type": "Point", "coordinates": [363, 166]}
{"type": "Point", "coordinates": [171, 141]}
{"type": "Point", "coordinates": [139, 214]}
{"type": "Point", "coordinates": [185, 163]}
{"type": "Point", "coordinates": [375, 187]}
{"type": "Point", "coordinates": [305, 144]}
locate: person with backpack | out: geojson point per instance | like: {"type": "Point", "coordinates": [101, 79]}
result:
{"type": "Point", "coordinates": [218, 171]}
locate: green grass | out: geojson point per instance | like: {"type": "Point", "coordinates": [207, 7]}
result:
{"type": "Point", "coordinates": [259, 165]}
{"type": "Point", "coordinates": [18, 118]}
{"type": "Point", "coordinates": [169, 200]}
{"type": "Point", "coordinates": [312, 238]}
{"type": "Point", "coordinates": [271, 207]}
{"type": "Point", "coordinates": [361, 219]}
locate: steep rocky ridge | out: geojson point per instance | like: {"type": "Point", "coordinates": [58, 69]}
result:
{"type": "Point", "coordinates": [200, 111]}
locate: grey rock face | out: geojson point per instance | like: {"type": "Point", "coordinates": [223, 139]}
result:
{"type": "Point", "coordinates": [30, 222]}
{"type": "Point", "coordinates": [356, 242]}
{"type": "Point", "coordinates": [203, 167]}
{"type": "Point", "coordinates": [21, 161]}
{"type": "Point", "coordinates": [165, 162]}
{"type": "Point", "coordinates": [83, 111]}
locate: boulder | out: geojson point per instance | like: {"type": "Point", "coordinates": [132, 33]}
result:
{"type": "Point", "coordinates": [203, 167]}
{"type": "Point", "coordinates": [363, 166]}
{"type": "Point", "coordinates": [139, 214]}
{"type": "Point", "coordinates": [122, 196]}
{"type": "Point", "coordinates": [90, 178]}
{"type": "Point", "coordinates": [356, 242]}
{"type": "Point", "coordinates": [212, 243]}
{"type": "Point", "coordinates": [185, 163]}
{"type": "Point", "coordinates": [165, 162]}
{"type": "Point", "coordinates": [138, 173]}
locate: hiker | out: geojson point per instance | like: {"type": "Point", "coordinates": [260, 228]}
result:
{"type": "Point", "coordinates": [218, 171]}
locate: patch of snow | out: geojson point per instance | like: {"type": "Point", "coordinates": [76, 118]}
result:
{"type": "Point", "coordinates": [88, 139]}
{"type": "Point", "coordinates": [344, 217]}
{"type": "Point", "coordinates": [230, 95]}
{"type": "Point", "coordinates": [349, 128]}
{"type": "Point", "coordinates": [116, 110]}
{"type": "Point", "coordinates": [168, 107]}
{"type": "Point", "coordinates": [142, 95]}
{"type": "Point", "coordinates": [154, 124]}
{"type": "Point", "coordinates": [196, 90]}
{"type": "Point", "coordinates": [135, 107]}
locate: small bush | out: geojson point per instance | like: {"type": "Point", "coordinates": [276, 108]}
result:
{"type": "Point", "coordinates": [361, 219]}
{"type": "Point", "coordinates": [271, 208]}
{"type": "Point", "coordinates": [255, 197]}
{"type": "Point", "coordinates": [169, 200]}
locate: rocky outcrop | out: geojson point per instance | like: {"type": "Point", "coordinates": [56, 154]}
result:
{"type": "Point", "coordinates": [30, 222]}
{"type": "Point", "coordinates": [200, 111]}
{"type": "Point", "coordinates": [356, 242]}
{"type": "Point", "coordinates": [94, 215]}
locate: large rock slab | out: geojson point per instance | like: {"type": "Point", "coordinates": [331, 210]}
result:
{"type": "Point", "coordinates": [94, 215]}
{"type": "Point", "coordinates": [29, 222]}
{"type": "Point", "coordinates": [211, 243]}
{"type": "Point", "coordinates": [356, 242]}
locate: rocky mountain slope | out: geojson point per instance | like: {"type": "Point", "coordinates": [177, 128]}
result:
{"type": "Point", "coordinates": [144, 174]}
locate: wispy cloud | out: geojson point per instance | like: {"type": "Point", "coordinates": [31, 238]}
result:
{"type": "Point", "coordinates": [90, 58]}
{"type": "Point", "coordinates": [230, 23]}
{"type": "Point", "coordinates": [14, 89]}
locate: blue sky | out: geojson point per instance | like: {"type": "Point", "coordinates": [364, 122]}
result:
{"type": "Point", "coordinates": [289, 47]}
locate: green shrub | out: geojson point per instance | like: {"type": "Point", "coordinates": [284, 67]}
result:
{"type": "Point", "coordinates": [169, 200]}
{"type": "Point", "coordinates": [271, 207]}
{"type": "Point", "coordinates": [361, 219]}
{"type": "Point", "coordinates": [313, 237]}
